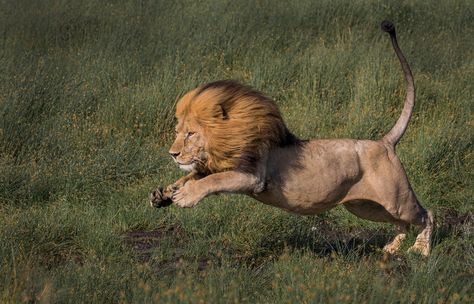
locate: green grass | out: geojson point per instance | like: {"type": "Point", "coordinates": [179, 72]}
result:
{"type": "Point", "coordinates": [87, 94]}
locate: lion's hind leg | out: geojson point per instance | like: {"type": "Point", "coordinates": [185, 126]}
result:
{"type": "Point", "coordinates": [423, 240]}
{"type": "Point", "coordinates": [394, 246]}
{"type": "Point", "coordinates": [411, 212]}
{"type": "Point", "coordinates": [375, 212]}
{"type": "Point", "coordinates": [407, 211]}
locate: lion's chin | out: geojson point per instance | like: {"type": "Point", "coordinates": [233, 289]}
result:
{"type": "Point", "coordinates": [188, 167]}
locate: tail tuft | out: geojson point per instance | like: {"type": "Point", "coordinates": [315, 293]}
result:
{"type": "Point", "coordinates": [387, 26]}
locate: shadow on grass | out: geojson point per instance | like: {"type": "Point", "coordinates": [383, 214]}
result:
{"type": "Point", "coordinates": [451, 223]}
{"type": "Point", "coordinates": [334, 240]}
{"type": "Point", "coordinates": [327, 240]}
{"type": "Point", "coordinates": [323, 239]}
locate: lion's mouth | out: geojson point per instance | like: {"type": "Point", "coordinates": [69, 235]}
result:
{"type": "Point", "coordinates": [187, 167]}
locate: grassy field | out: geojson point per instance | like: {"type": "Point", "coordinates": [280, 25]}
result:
{"type": "Point", "coordinates": [87, 94]}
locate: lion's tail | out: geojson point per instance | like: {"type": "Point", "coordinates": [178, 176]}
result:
{"type": "Point", "coordinates": [394, 135]}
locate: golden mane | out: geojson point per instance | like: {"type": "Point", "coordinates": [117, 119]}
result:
{"type": "Point", "coordinates": [239, 123]}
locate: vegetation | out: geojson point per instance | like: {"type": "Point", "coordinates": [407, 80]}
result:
{"type": "Point", "coordinates": [87, 94]}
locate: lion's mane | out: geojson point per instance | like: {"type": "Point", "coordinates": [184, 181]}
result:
{"type": "Point", "coordinates": [240, 124]}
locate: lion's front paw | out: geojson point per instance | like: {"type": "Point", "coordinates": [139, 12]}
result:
{"type": "Point", "coordinates": [187, 196]}
{"type": "Point", "coordinates": [159, 199]}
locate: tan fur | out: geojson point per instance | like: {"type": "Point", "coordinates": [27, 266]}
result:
{"type": "Point", "coordinates": [233, 139]}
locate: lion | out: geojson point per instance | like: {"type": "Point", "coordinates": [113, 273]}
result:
{"type": "Point", "coordinates": [231, 138]}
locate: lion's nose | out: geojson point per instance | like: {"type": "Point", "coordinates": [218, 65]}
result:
{"type": "Point", "coordinates": [174, 154]}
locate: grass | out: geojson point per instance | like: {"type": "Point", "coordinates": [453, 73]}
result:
{"type": "Point", "coordinates": [87, 93]}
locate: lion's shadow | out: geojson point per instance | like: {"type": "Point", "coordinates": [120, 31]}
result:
{"type": "Point", "coordinates": [326, 240]}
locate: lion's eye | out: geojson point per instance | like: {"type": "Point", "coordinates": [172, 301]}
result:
{"type": "Point", "coordinates": [190, 134]}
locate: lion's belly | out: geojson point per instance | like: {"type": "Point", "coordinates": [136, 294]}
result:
{"type": "Point", "coordinates": [276, 199]}
{"type": "Point", "coordinates": [314, 181]}
{"type": "Point", "coordinates": [303, 199]}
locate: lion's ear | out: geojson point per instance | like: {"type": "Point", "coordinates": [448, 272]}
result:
{"type": "Point", "coordinates": [224, 113]}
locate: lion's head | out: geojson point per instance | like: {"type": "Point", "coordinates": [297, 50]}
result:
{"type": "Point", "coordinates": [224, 126]}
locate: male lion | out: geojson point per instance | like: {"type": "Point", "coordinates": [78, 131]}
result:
{"type": "Point", "coordinates": [231, 138]}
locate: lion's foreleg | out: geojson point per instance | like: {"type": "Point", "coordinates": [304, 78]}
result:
{"type": "Point", "coordinates": [231, 181]}
{"type": "Point", "coordinates": [181, 182]}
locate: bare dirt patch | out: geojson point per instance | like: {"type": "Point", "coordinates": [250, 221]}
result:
{"type": "Point", "coordinates": [143, 242]}
{"type": "Point", "coordinates": [452, 218]}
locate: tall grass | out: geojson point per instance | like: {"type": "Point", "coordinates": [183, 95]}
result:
{"type": "Point", "coordinates": [87, 94]}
